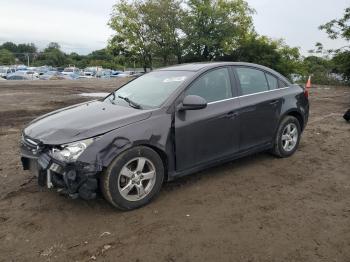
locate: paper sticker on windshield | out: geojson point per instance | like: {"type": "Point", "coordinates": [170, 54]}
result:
{"type": "Point", "coordinates": [174, 79]}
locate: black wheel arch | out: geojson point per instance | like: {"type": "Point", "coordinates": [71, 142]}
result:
{"type": "Point", "coordinates": [295, 113]}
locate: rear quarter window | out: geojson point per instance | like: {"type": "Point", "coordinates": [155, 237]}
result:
{"type": "Point", "coordinates": [273, 82]}
{"type": "Point", "coordinates": [282, 84]}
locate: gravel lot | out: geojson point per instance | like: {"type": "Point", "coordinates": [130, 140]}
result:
{"type": "Point", "coordinates": [258, 208]}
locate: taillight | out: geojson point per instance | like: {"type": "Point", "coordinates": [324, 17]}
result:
{"type": "Point", "coordinates": [306, 92]}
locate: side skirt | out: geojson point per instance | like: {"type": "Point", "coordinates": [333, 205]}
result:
{"type": "Point", "coordinates": [174, 175]}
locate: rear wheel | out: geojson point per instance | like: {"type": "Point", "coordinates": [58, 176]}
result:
{"type": "Point", "coordinates": [133, 179]}
{"type": "Point", "coordinates": [287, 137]}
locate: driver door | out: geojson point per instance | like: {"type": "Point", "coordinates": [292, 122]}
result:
{"type": "Point", "coordinates": [211, 133]}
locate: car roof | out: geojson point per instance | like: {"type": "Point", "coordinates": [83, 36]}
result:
{"type": "Point", "coordinates": [194, 67]}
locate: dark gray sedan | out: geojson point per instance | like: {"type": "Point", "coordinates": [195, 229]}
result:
{"type": "Point", "coordinates": [165, 124]}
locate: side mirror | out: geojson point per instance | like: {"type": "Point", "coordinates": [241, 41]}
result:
{"type": "Point", "coordinates": [192, 102]}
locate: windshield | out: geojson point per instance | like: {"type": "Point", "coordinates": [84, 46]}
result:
{"type": "Point", "coordinates": [68, 70]}
{"type": "Point", "coordinates": [150, 90]}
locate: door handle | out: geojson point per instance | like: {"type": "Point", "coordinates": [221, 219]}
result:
{"type": "Point", "coordinates": [232, 114]}
{"type": "Point", "coordinates": [274, 102]}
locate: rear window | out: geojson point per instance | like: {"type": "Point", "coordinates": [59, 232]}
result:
{"type": "Point", "coordinates": [251, 80]}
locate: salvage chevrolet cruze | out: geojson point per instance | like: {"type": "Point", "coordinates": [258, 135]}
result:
{"type": "Point", "coordinates": [165, 124]}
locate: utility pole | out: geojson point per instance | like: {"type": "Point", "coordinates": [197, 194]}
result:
{"type": "Point", "coordinates": [27, 59]}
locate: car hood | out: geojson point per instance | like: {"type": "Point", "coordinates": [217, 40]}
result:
{"type": "Point", "coordinates": [82, 121]}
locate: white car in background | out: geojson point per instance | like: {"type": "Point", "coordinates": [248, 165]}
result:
{"type": "Point", "coordinates": [104, 73]}
{"type": "Point", "coordinates": [89, 72]}
{"type": "Point", "coordinates": [5, 71]}
{"type": "Point", "coordinates": [71, 71]}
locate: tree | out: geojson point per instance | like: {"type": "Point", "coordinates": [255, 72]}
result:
{"type": "Point", "coordinates": [340, 28]}
{"type": "Point", "coordinates": [12, 47]}
{"type": "Point", "coordinates": [53, 45]}
{"type": "Point", "coordinates": [6, 57]}
{"type": "Point", "coordinates": [21, 51]}
{"type": "Point", "coordinates": [132, 37]}
{"type": "Point", "coordinates": [271, 53]}
{"type": "Point", "coordinates": [164, 18]}
{"type": "Point", "coordinates": [214, 28]}
{"type": "Point", "coordinates": [341, 62]}
{"type": "Point", "coordinates": [192, 30]}
{"type": "Point", "coordinates": [320, 68]}
{"type": "Point", "coordinates": [52, 56]}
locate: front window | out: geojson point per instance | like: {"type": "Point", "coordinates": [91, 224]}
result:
{"type": "Point", "coordinates": [212, 86]}
{"type": "Point", "coordinates": [151, 89]}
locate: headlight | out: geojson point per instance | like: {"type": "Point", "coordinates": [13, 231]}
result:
{"type": "Point", "coordinates": [70, 152]}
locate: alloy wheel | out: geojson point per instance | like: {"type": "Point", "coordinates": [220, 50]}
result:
{"type": "Point", "coordinates": [136, 179]}
{"type": "Point", "coordinates": [289, 137]}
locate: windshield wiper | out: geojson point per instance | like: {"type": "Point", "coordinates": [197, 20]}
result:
{"type": "Point", "coordinates": [130, 102]}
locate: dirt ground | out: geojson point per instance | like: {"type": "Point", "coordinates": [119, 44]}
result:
{"type": "Point", "coordinates": [258, 208]}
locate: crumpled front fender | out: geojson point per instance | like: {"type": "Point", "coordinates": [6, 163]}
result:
{"type": "Point", "coordinates": [154, 132]}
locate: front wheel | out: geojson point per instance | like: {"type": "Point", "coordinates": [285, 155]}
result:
{"type": "Point", "coordinates": [287, 137]}
{"type": "Point", "coordinates": [133, 179]}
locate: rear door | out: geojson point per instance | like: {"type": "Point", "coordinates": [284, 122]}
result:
{"type": "Point", "coordinates": [213, 132]}
{"type": "Point", "coordinates": [260, 106]}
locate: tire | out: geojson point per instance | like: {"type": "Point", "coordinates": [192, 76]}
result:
{"type": "Point", "coordinates": [280, 148]}
{"type": "Point", "coordinates": [122, 182]}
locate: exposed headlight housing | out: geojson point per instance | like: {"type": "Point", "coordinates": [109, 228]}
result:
{"type": "Point", "coordinates": [70, 152]}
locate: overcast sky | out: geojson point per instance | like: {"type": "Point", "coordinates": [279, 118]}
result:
{"type": "Point", "coordinates": [81, 25]}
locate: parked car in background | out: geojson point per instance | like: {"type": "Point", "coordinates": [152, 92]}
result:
{"type": "Point", "coordinates": [32, 74]}
{"type": "Point", "coordinates": [18, 77]}
{"type": "Point", "coordinates": [165, 124]}
{"type": "Point", "coordinates": [41, 70]}
{"type": "Point", "coordinates": [21, 67]}
{"type": "Point", "coordinates": [23, 75]}
{"type": "Point", "coordinates": [53, 75]}
{"type": "Point", "coordinates": [89, 72]}
{"type": "Point", "coordinates": [121, 74]}
{"type": "Point", "coordinates": [115, 73]}
{"type": "Point", "coordinates": [5, 71]}
{"type": "Point", "coordinates": [71, 76]}
{"type": "Point", "coordinates": [104, 73]}
{"type": "Point", "coordinates": [71, 71]}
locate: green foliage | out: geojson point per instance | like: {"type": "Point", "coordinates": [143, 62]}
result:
{"type": "Point", "coordinates": [6, 57]}
{"type": "Point", "coordinates": [21, 48]}
{"type": "Point", "coordinates": [341, 63]}
{"type": "Point", "coordinates": [20, 51]}
{"type": "Point", "coordinates": [194, 30]}
{"type": "Point", "coordinates": [319, 68]}
{"type": "Point", "coordinates": [132, 39]}
{"type": "Point", "coordinates": [52, 56]}
{"type": "Point", "coordinates": [165, 22]}
{"type": "Point", "coordinates": [214, 28]}
{"type": "Point", "coordinates": [271, 53]}
{"type": "Point", "coordinates": [338, 28]}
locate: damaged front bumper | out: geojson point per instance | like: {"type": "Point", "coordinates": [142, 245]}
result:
{"type": "Point", "coordinates": [74, 179]}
